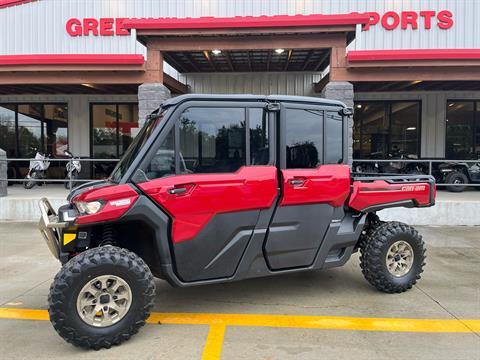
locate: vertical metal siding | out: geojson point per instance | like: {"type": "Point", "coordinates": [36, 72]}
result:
{"type": "Point", "coordinates": [39, 27]}
{"type": "Point", "coordinates": [291, 83]}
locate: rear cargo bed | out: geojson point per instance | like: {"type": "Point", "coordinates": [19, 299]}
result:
{"type": "Point", "coordinates": [373, 192]}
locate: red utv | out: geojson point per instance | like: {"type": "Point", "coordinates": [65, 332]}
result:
{"type": "Point", "coordinates": [224, 188]}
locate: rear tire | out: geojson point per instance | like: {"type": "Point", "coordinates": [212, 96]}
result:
{"type": "Point", "coordinates": [456, 177]}
{"type": "Point", "coordinates": [67, 182]}
{"type": "Point", "coordinates": [83, 325]}
{"type": "Point", "coordinates": [397, 273]}
{"type": "Point", "coordinates": [28, 184]}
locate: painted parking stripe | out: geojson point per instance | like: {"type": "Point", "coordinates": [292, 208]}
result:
{"type": "Point", "coordinates": [213, 346]}
{"type": "Point", "coordinates": [219, 322]}
{"type": "Point", "coordinates": [291, 321]}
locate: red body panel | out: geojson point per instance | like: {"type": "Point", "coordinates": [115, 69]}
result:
{"type": "Point", "coordinates": [366, 194]}
{"type": "Point", "coordinates": [112, 209]}
{"type": "Point", "coordinates": [206, 195]}
{"type": "Point", "coordinates": [328, 184]}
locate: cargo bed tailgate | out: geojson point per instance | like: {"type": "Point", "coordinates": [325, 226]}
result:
{"type": "Point", "coordinates": [373, 193]}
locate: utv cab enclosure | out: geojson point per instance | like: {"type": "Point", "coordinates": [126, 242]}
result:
{"type": "Point", "coordinates": [218, 188]}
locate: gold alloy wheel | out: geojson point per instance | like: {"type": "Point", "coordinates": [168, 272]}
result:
{"type": "Point", "coordinates": [399, 258]}
{"type": "Point", "coordinates": [104, 301]}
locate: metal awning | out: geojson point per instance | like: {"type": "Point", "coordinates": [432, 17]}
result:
{"type": "Point", "coordinates": [248, 60]}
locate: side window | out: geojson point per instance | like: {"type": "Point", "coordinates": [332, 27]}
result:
{"type": "Point", "coordinates": [163, 163]}
{"type": "Point", "coordinates": [333, 149]}
{"type": "Point", "coordinates": [258, 123]}
{"type": "Point", "coordinates": [304, 138]}
{"type": "Point", "coordinates": [212, 140]}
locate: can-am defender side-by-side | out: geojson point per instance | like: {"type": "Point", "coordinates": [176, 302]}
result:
{"type": "Point", "coordinates": [221, 188]}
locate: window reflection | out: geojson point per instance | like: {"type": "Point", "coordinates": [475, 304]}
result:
{"type": "Point", "coordinates": [462, 134]}
{"type": "Point", "coordinates": [213, 139]}
{"type": "Point", "coordinates": [114, 126]}
{"type": "Point", "coordinates": [304, 134]}
{"type": "Point", "coordinates": [28, 128]}
{"type": "Point", "coordinates": [386, 129]}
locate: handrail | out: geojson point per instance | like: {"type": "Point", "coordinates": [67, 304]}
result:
{"type": "Point", "coordinates": [428, 162]}
{"type": "Point", "coordinates": [55, 180]}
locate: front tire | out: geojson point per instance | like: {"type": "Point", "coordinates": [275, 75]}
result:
{"type": "Point", "coordinates": [101, 297]}
{"type": "Point", "coordinates": [392, 260]}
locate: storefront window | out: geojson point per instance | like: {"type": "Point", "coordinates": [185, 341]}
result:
{"type": "Point", "coordinates": [56, 120]}
{"type": "Point", "coordinates": [113, 128]}
{"type": "Point", "coordinates": [463, 130]}
{"type": "Point", "coordinates": [28, 128]}
{"type": "Point", "coordinates": [8, 129]}
{"type": "Point", "coordinates": [127, 125]}
{"type": "Point", "coordinates": [386, 129]}
{"type": "Point", "coordinates": [31, 130]}
{"type": "Point", "coordinates": [404, 129]}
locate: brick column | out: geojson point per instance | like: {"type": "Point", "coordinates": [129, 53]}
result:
{"type": "Point", "coordinates": [3, 173]}
{"type": "Point", "coordinates": [150, 97]}
{"type": "Point", "coordinates": [342, 91]}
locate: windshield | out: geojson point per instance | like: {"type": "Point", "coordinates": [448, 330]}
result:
{"type": "Point", "coordinates": [135, 147]}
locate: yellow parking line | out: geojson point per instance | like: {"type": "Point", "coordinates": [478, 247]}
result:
{"type": "Point", "coordinates": [214, 343]}
{"type": "Point", "coordinates": [321, 322]}
{"type": "Point", "coordinates": [292, 321]}
{"type": "Point", "coordinates": [24, 314]}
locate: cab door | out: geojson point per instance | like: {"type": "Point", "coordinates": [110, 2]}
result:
{"type": "Point", "coordinates": [212, 174]}
{"type": "Point", "coordinates": [315, 183]}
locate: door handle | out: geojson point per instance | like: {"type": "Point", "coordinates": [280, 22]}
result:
{"type": "Point", "coordinates": [297, 182]}
{"type": "Point", "coordinates": [177, 191]}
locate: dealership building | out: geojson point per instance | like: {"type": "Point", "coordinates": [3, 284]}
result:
{"type": "Point", "coordinates": [83, 74]}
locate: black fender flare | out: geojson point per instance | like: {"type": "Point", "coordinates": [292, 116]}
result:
{"type": "Point", "coordinates": [146, 211]}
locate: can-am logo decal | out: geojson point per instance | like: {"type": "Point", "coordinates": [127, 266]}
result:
{"type": "Point", "coordinates": [390, 20]}
{"type": "Point", "coordinates": [413, 188]}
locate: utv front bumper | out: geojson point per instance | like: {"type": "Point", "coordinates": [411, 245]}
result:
{"type": "Point", "coordinates": [50, 226]}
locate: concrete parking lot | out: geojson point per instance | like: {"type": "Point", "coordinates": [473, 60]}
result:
{"type": "Point", "coordinates": [334, 314]}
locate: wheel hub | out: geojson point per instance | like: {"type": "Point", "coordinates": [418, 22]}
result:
{"type": "Point", "coordinates": [399, 259]}
{"type": "Point", "coordinates": [104, 301]}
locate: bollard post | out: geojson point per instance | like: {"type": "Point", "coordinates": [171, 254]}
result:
{"type": "Point", "coordinates": [3, 173]}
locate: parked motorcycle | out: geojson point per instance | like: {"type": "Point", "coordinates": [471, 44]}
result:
{"type": "Point", "coordinates": [73, 170]}
{"type": "Point", "coordinates": [37, 170]}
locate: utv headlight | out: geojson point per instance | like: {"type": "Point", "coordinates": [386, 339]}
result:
{"type": "Point", "coordinates": [89, 208]}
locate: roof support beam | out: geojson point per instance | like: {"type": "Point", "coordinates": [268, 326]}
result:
{"type": "Point", "coordinates": [173, 61]}
{"type": "Point", "coordinates": [229, 60]}
{"type": "Point", "coordinates": [210, 60]}
{"type": "Point", "coordinates": [266, 42]}
{"type": "Point", "coordinates": [322, 60]}
{"type": "Point", "coordinates": [289, 55]}
{"type": "Point", "coordinates": [307, 59]}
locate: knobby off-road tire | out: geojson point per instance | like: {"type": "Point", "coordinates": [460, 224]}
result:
{"type": "Point", "coordinates": [373, 258]}
{"type": "Point", "coordinates": [374, 223]}
{"type": "Point", "coordinates": [75, 275]}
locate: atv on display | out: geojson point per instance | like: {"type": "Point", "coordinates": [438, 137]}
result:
{"type": "Point", "coordinates": [457, 175]}
{"type": "Point", "coordinates": [218, 188]}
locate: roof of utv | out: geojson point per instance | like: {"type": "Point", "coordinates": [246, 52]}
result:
{"type": "Point", "coordinates": [268, 98]}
